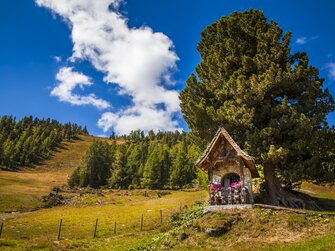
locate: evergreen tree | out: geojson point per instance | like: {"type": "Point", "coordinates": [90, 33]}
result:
{"type": "Point", "coordinates": [166, 167]}
{"type": "Point", "coordinates": [112, 135]}
{"type": "Point", "coordinates": [134, 160]}
{"type": "Point", "coordinates": [140, 163]}
{"type": "Point", "coordinates": [85, 131]}
{"type": "Point", "coordinates": [75, 178]}
{"type": "Point", "coordinates": [29, 140]}
{"type": "Point", "coordinates": [95, 167]}
{"type": "Point", "coordinates": [183, 170]}
{"type": "Point", "coordinates": [152, 173]}
{"type": "Point", "coordinates": [151, 135]}
{"type": "Point", "coordinates": [271, 102]}
{"type": "Point", "coordinates": [121, 176]}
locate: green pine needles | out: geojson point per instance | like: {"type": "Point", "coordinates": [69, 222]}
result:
{"type": "Point", "coordinates": [156, 161]}
{"type": "Point", "coordinates": [31, 140]}
{"type": "Point", "coordinates": [270, 100]}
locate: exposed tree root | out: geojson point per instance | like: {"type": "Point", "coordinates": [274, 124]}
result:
{"type": "Point", "coordinates": [275, 194]}
{"type": "Point", "coordinates": [293, 200]}
{"type": "Point", "coordinates": [278, 196]}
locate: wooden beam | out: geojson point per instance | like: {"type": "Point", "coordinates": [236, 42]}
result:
{"type": "Point", "coordinates": [241, 171]}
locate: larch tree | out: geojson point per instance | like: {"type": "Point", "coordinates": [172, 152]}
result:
{"type": "Point", "coordinates": [153, 169]}
{"type": "Point", "coordinates": [271, 101]}
{"type": "Point", "coordinates": [183, 169]}
{"type": "Point", "coordinates": [120, 177]}
{"type": "Point", "coordinates": [97, 164]}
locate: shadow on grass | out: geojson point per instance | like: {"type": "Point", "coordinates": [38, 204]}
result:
{"type": "Point", "coordinates": [3, 168]}
{"type": "Point", "coordinates": [326, 203]}
{"type": "Point", "coordinates": [60, 147]}
{"type": "Point", "coordinates": [76, 138]}
{"type": "Point", "coordinates": [64, 146]}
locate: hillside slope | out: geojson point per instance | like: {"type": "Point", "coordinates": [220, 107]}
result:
{"type": "Point", "coordinates": [260, 229]}
{"type": "Point", "coordinates": [22, 190]}
{"type": "Point", "coordinates": [252, 229]}
{"type": "Point", "coordinates": [255, 229]}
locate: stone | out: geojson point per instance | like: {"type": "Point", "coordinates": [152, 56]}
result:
{"type": "Point", "coordinates": [183, 236]}
{"type": "Point", "coordinates": [216, 208]}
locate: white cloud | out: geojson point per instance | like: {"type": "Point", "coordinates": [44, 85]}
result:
{"type": "Point", "coordinates": [304, 40]}
{"type": "Point", "coordinates": [68, 80]}
{"type": "Point", "coordinates": [301, 40]}
{"type": "Point", "coordinates": [331, 70]}
{"type": "Point", "coordinates": [57, 59]}
{"type": "Point", "coordinates": [145, 118]}
{"type": "Point", "coordinates": [139, 60]}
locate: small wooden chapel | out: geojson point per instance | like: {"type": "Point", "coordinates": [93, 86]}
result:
{"type": "Point", "coordinates": [230, 171]}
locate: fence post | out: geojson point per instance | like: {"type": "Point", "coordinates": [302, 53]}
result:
{"type": "Point", "coordinates": [95, 228]}
{"type": "Point", "coordinates": [141, 222]}
{"type": "Point", "coordinates": [1, 227]}
{"type": "Point", "coordinates": [179, 206]}
{"type": "Point", "coordinates": [114, 227]}
{"type": "Point", "coordinates": [59, 229]}
{"type": "Point", "coordinates": [161, 216]}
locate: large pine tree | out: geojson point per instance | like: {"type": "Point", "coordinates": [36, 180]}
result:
{"type": "Point", "coordinates": [121, 176]}
{"type": "Point", "coordinates": [153, 169]}
{"type": "Point", "coordinates": [96, 165]}
{"type": "Point", "coordinates": [271, 101]}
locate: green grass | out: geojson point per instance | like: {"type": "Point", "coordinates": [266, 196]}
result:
{"type": "Point", "coordinates": [254, 229]}
{"type": "Point", "coordinates": [38, 229]}
{"type": "Point", "coordinates": [323, 194]}
{"type": "Point", "coordinates": [261, 229]}
{"type": "Point", "coordinates": [321, 243]}
{"type": "Point", "coordinates": [22, 190]}
{"type": "Point", "coordinates": [326, 201]}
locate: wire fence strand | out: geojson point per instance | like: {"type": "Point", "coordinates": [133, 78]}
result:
{"type": "Point", "coordinates": [74, 228]}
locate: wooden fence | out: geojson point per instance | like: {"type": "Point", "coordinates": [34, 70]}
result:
{"type": "Point", "coordinates": [114, 227]}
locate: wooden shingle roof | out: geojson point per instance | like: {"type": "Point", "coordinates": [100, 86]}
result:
{"type": "Point", "coordinates": [247, 159]}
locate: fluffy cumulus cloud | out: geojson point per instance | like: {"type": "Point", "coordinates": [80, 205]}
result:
{"type": "Point", "coordinates": [139, 60]}
{"type": "Point", "coordinates": [68, 80]}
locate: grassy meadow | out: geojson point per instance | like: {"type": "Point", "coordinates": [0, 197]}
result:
{"type": "Point", "coordinates": [38, 229]}
{"type": "Point", "coordinates": [22, 190]}
{"type": "Point", "coordinates": [30, 226]}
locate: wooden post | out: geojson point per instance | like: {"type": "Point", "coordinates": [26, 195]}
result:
{"type": "Point", "coordinates": [114, 227]}
{"type": "Point", "coordinates": [210, 171]}
{"type": "Point", "coordinates": [141, 222]}
{"type": "Point", "coordinates": [59, 229]}
{"type": "Point", "coordinates": [95, 228]}
{"type": "Point", "coordinates": [241, 172]}
{"type": "Point", "coordinates": [1, 227]}
{"type": "Point", "coordinates": [180, 207]}
{"type": "Point", "coordinates": [161, 216]}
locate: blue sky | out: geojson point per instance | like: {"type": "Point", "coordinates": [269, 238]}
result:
{"type": "Point", "coordinates": [81, 68]}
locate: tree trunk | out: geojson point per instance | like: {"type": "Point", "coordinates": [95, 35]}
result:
{"type": "Point", "coordinates": [272, 185]}
{"type": "Point", "coordinates": [276, 195]}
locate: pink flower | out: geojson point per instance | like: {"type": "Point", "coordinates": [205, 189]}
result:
{"type": "Point", "coordinates": [236, 184]}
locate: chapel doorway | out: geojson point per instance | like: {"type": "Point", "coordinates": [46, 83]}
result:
{"type": "Point", "coordinates": [231, 180]}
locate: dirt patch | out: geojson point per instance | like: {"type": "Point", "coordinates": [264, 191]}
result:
{"type": "Point", "coordinates": [216, 224]}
